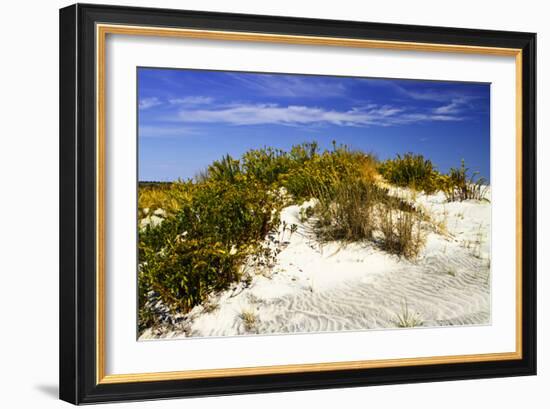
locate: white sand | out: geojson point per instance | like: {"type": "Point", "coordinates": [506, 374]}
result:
{"type": "Point", "coordinates": [332, 287]}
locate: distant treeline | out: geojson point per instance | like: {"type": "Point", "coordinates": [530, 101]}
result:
{"type": "Point", "coordinates": [154, 184]}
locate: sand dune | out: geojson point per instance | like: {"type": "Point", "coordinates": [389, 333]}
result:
{"type": "Point", "coordinates": [335, 287]}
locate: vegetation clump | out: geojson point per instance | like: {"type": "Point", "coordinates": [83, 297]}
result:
{"type": "Point", "coordinates": [460, 187]}
{"type": "Point", "coordinates": [402, 232]}
{"type": "Point", "coordinates": [412, 171]}
{"type": "Point", "coordinates": [250, 321]}
{"type": "Point", "coordinates": [407, 319]}
{"type": "Point", "coordinates": [214, 224]}
{"type": "Point", "coordinates": [419, 174]}
{"type": "Point", "coordinates": [200, 249]}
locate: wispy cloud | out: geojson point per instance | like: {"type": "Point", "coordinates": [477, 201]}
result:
{"type": "Point", "coordinates": [298, 115]}
{"type": "Point", "coordinates": [290, 86]}
{"type": "Point", "coordinates": [427, 94]}
{"type": "Point", "coordinates": [191, 100]}
{"type": "Point", "coordinates": [456, 106]}
{"type": "Point", "coordinates": [165, 131]}
{"type": "Point", "coordinates": [146, 103]}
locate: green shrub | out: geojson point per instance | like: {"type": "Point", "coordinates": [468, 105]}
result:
{"type": "Point", "coordinates": [266, 165]}
{"type": "Point", "coordinates": [323, 171]}
{"type": "Point", "coordinates": [201, 248]}
{"type": "Point", "coordinates": [459, 187]}
{"type": "Point", "coordinates": [187, 271]}
{"type": "Point", "coordinates": [411, 171]}
{"type": "Point", "coordinates": [227, 169]}
{"type": "Point", "coordinates": [304, 152]}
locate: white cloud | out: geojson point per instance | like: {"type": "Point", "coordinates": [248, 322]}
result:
{"type": "Point", "coordinates": [420, 117]}
{"type": "Point", "coordinates": [162, 131]}
{"type": "Point", "coordinates": [428, 95]}
{"type": "Point", "coordinates": [424, 95]}
{"type": "Point", "coordinates": [455, 106]}
{"type": "Point", "coordinates": [291, 86]}
{"type": "Point", "coordinates": [263, 114]}
{"type": "Point", "coordinates": [192, 100]}
{"type": "Point", "coordinates": [146, 103]}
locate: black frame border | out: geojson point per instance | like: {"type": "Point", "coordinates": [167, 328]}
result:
{"type": "Point", "coordinates": [77, 255]}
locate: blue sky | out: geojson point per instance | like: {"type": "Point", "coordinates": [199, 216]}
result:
{"type": "Point", "coordinates": [189, 118]}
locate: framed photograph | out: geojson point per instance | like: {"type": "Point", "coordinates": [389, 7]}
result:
{"type": "Point", "coordinates": [257, 203]}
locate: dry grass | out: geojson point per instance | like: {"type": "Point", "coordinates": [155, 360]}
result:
{"type": "Point", "coordinates": [250, 321]}
{"type": "Point", "coordinates": [165, 196]}
{"type": "Point", "coordinates": [407, 319]}
{"type": "Point", "coordinates": [402, 231]}
{"type": "Point", "coordinates": [460, 187]}
{"type": "Point", "coordinates": [357, 209]}
{"type": "Point", "coordinates": [452, 271]}
{"type": "Point", "coordinates": [439, 223]}
{"type": "Point", "coordinates": [209, 306]}
{"type": "Point", "coordinates": [347, 212]}
{"type": "Point", "coordinates": [369, 168]}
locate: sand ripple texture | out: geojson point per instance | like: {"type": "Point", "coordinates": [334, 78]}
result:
{"type": "Point", "coordinates": [430, 294]}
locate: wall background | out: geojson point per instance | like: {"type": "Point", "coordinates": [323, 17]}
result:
{"type": "Point", "coordinates": [29, 202]}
